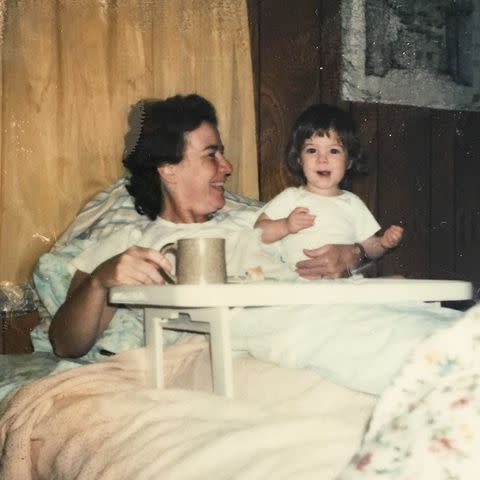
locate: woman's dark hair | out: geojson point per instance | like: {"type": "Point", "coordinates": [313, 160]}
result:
{"type": "Point", "coordinates": [158, 129]}
{"type": "Point", "coordinates": [318, 120]}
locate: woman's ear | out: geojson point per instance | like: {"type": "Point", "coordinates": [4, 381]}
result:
{"type": "Point", "coordinates": [167, 172]}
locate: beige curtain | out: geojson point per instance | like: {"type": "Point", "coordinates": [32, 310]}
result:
{"type": "Point", "coordinates": [71, 69]}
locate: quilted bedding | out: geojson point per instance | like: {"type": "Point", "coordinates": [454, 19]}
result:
{"type": "Point", "coordinates": [427, 423]}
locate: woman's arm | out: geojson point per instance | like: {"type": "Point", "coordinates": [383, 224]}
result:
{"type": "Point", "coordinates": [330, 261]}
{"type": "Point", "coordinates": [81, 318]}
{"type": "Point", "coordinates": [85, 313]}
{"type": "Point", "coordinates": [273, 230]}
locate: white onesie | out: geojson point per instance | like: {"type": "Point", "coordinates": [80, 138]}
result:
{"type": "Point", "coordinates": [343, 219]}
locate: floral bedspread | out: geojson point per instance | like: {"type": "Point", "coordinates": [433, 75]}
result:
{"type": "Point", "coordinates": [427, 423]}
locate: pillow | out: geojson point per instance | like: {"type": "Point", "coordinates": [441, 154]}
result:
{"type": "Point", "coordinates": [114, 208]}
{"type": "Point", "coordinates": [103, 214]}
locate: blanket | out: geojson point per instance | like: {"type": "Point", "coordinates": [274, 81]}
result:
{"type": "Point", "coordinates": [427, 423]}
{"type": "Point", "coordinates": [101, 421]}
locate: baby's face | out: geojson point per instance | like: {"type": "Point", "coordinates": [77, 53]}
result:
{"type": "Point", "coordinates": [324, 162]}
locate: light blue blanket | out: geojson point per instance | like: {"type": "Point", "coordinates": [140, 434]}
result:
{"type": "Point", "coordinates": [16, 370]}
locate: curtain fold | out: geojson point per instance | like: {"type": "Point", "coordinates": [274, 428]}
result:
{"type": "Point", "coordinates": [71, 71]}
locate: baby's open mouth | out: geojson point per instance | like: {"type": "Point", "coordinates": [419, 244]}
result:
{"type": "Point", "coordinates": [323, 173]}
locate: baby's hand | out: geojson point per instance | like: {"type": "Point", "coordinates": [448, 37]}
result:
{"type": "Point", "coordinates": [392, 237]}
{"type": "Point", "coordinates": [299, 219]}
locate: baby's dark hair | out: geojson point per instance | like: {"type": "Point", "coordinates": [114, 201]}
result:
{"type": "Point", "coordinates": [319, 119]}
{"type": "Point", "coordinates": [160, 127]}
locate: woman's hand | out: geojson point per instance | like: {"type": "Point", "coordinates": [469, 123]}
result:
{"type": "Point", "coordinates": [331, 261]}
{"type": "Point", "coordinates": [85, 313]}
{"type": "Point", "coordinates": [135, 266]}
{"type": "Point", "coordinates": [299, 219]}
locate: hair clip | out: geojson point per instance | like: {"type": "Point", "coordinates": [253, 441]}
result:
{"type": "Point", "coordinates": [136, 117]}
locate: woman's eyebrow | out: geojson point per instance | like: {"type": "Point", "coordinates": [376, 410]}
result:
{"type": "Point", "coordinates": [215, 147]}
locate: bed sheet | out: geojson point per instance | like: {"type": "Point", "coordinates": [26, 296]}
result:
{"type": "Point", "coordinates": [101, 421]}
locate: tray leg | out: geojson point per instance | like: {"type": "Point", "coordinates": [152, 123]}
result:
{"type": "Point", "coordinates": [214, 321]}
{"type": "Point", "coordinates": [221, 351]}
{"type": "Point", "coordinates": [154, 345]}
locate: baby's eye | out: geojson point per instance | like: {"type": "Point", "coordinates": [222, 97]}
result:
{"type": "Point", "coordinates": [335, 151]}
{"type": "Point", "coordinates": [310, 150]}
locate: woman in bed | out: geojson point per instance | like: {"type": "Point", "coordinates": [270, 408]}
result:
{"type": "Point", "coordinates": [178, 171]}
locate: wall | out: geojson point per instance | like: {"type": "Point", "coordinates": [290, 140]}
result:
{"type": "Point", "coordinates": [424, 164]}
{"type": "Point", "coordinates": [69, 73]}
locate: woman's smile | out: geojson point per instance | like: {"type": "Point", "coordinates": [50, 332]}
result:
{"type": "Point", "coordinates": [218, 185]}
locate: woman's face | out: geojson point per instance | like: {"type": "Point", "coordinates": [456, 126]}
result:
{"type": "Point", "coordinates": [197, 183]}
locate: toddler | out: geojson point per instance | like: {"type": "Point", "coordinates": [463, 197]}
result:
{"type": "Point", "coordinates": [323, 145]}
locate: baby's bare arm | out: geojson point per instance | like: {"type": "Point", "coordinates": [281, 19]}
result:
{"type": "Point", "coordinates": [375, 246]}
{"type": "Point", "coordinates": [273, 230]}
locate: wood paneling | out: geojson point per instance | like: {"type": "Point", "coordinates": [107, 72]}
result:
{"type": "Point", "coordinates": [330, 54]}
{"type": "Point", "coordinates": [288, 53]}
{"type": "Point", "coordinates": [403, 182]}
{"type": "Point", "coordinates": [442, 197]}
{"type": "Point", "coordinates": [467, 196]}
{"type": "Point", "coordinates": [423, 164]}
{"type": "Point", "coordinates": [365, 185]}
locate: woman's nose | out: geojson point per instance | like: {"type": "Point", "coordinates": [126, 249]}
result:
{"type": "Point", "coordinates": [225, 165]}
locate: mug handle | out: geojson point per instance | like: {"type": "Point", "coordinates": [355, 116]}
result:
{"type": "Point", "coordinates": [168, 248]}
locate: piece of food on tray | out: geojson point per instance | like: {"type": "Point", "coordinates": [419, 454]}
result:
{"type": "Point", "coordinates": [255, 273]}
